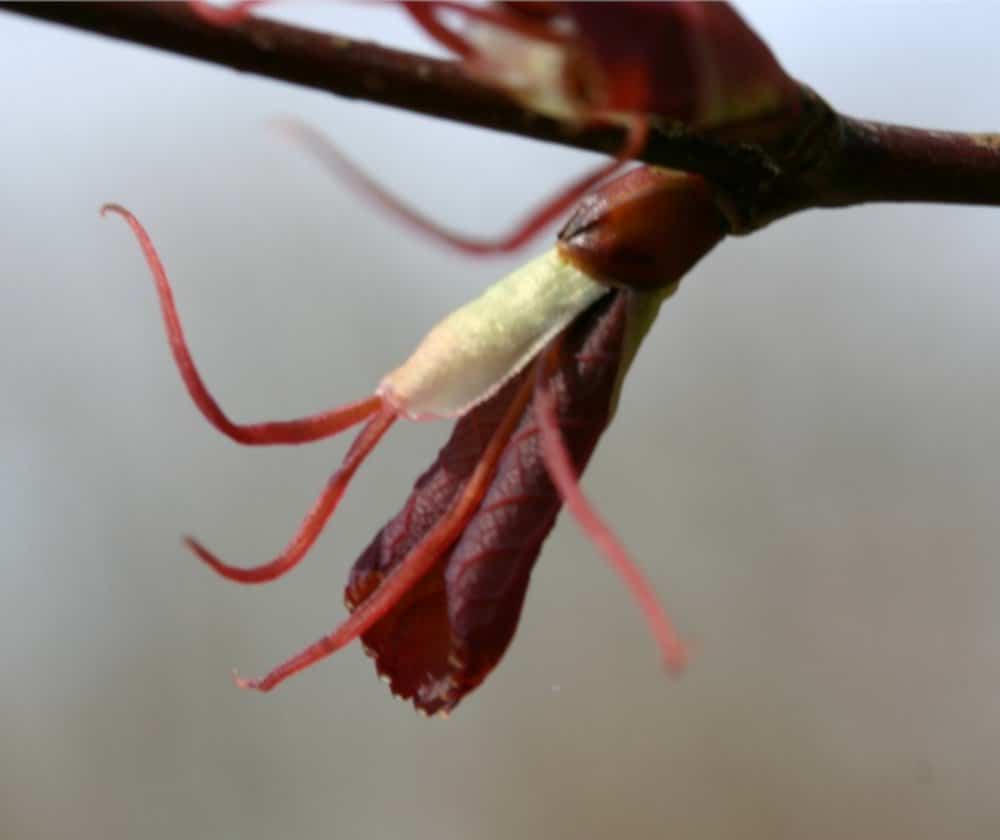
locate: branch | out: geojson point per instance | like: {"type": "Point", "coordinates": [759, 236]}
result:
{"type": "Point", "coordinates": [356, 70]}
{"type": "Point", "coordinates": [881, 162]}
{"type": "Point", "coordinates": [829, 160]}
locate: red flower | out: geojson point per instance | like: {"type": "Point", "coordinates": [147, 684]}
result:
{"type": "Point", "coordinates": [696, 63]}
{"type": "Point", "coordinates": [638, 65]}
{"type": "Point", "coordinates": [533, 370]}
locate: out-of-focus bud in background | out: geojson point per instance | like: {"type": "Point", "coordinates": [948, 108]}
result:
{"type": "Point", "coordinates": [695, 63]}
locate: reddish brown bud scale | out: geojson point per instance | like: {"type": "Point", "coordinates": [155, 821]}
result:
{"type": "Point", "coordinates": [448, 632]}
{"type": "Point", "coordinates": [643, 230]}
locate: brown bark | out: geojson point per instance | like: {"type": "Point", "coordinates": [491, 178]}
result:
{"type": "Point", "coordinates": [826, 160]}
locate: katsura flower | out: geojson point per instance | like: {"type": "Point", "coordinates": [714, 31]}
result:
{"type": "Point", "coordinates": [665, 66]}
{"type": "Point", "coordinates": [640, 66]}
{"type": "Point", "coordinates": [532, 370]}
{"type": "Point", "coordinates": [624, 63]}
{"type": "Point", "coordinates": [696, 63]}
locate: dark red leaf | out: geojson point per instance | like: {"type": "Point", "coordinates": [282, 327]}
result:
{"type": "Point", "coordinates": [448, 632]}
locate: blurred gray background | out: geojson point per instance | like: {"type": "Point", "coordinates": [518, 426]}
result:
{"type": "Point", "coordinates": [806, 460]}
